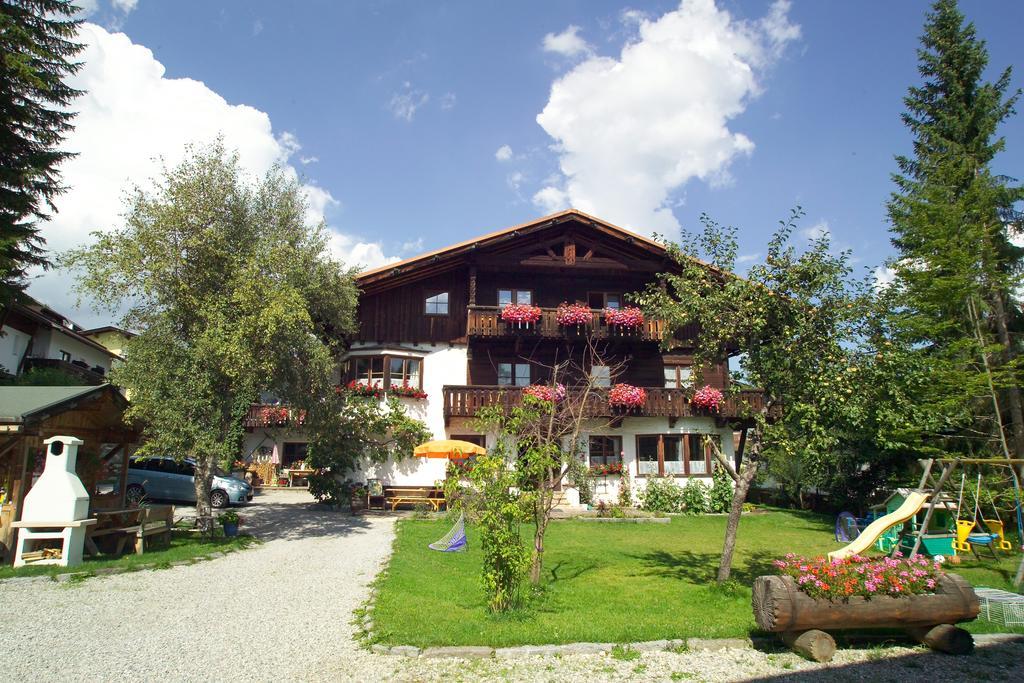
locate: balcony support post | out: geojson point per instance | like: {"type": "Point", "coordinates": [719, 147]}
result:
{"type": "Point", "coordinates": [472, 285]}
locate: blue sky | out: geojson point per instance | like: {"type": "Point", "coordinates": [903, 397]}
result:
{"type": "Point", "coordinates": [393, 113]}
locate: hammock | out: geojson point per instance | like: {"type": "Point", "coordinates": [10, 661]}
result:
{"type": "Point", "coordinates": [453, 541]}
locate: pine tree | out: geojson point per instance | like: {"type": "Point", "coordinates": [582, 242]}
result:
{"type": "Point", "coordinates": [952, 218]}
{"type": "Point", "coordinates": [36, 44]}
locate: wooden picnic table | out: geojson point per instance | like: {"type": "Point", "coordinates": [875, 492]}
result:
{"type": "Point", "coordinates": [397, 495]}
{"type": "Point", "coordinates": [122, 525]}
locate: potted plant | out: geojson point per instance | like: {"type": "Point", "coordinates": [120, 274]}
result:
{"type": "Point", "coordinates": [365, 389]}
{"type": "Point", "coordinates": [406, 391]}
{"type": "Point", "coordinates": [230, 521]}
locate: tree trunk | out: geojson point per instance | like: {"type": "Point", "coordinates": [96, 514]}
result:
{"type": "Point", "coordinates": [540, 518]}
{"type": "Point", "coordinates": [739, 497]}
{"type": "Point", "coordinates": [203, 483]}
{"type": "Point", "coordinates": [1013, 391]}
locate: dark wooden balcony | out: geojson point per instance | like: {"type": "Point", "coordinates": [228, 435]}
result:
{"type": "Point", "coordinates": [484, 322]}
{"type": "Point", "coordinates": [466, 401]}
{"type": "Point", "coordinates": [94, 375]}
{"type": "Point", "coordinates": [262, 416]}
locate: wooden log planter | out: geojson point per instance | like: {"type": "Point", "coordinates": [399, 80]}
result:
{"type": "Point", "coordinates": [781, 607]}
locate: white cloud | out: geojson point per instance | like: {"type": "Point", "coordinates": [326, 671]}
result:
{"type": "Point", "coordinates": [352, 252]}
{"type": "Point", "coordinates": [504, 153]}
{"type": "Point", "coordinates": [125, 6]}
{"type": "Point", "coordinates": [412, 246]}
{"type": "Point", "coordinates": [632, 130]}
{"type": "Point", "coordinates": [551, 199]}
{"type": "Point", "coordinates": [129, 118]}
{"type": "Point", "coordinates": [817, 231]}
{"type": "Point", "coordinates": [515, 180]}
{"type": "Point", "coordinates": [748, 258]}
{"type": "Point", "coordinates": [257, 27]}
{"type": "Point", "coordinates": [308, 160]}
{"type": "Point", "coordinates": [403, 105]}
{"type": "Point", "coordinates": [567, 43]}
{"type": "Point", "coordinates": [87, 8]}
{"type": "Point", "coordinates": [448, 101]}
{"type": "Point", "coordinates": [884, 276]}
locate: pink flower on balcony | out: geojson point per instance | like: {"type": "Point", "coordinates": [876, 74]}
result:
{"type": "Point", "coordinates": [708, 397]}
{"type": "Point", "coordinates": [630, 316]}
{"type": "Point", "coordinates": [626, 396]}
{"type": "Point", "coordinates": [573, 314]}
{"type": "Point", "coordinates": [545, 393]}
{"type": "Point", "coordinates": [520, 313]}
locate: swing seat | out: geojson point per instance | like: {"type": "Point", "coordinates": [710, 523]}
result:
{"type": "Point", "coordinates": [966, 539]}
{"type": "Point", "coordinates": [996, 529]}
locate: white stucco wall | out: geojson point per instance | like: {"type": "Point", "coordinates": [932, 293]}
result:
{"type": "Point", "coordinates": [12, 347]}
{"type": "Point", "coordinates": [50, 342]}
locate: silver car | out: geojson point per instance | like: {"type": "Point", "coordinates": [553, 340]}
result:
{"type": "Point", "coordinates": [170, 479]}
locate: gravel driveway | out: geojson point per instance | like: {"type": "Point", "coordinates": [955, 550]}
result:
{"type": "Point", "coordinates": [282, 612]}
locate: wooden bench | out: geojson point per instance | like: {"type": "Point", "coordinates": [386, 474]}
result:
{"type": "Point", "coordinates": [114, 527]}
{"type": "Point", "coordinates": [412, 495]}
{"type": "Point", "coordinates": [154, 528]}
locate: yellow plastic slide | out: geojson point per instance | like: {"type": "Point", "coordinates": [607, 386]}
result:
{"type": "Point", "coordinates": [914, 502]}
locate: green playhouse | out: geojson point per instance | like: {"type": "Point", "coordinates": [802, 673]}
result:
{"type": "Point", "coordinates": [936, 542]}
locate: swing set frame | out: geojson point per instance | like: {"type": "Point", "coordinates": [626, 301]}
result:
{"type": "Point", "coordinates": [935, 485]}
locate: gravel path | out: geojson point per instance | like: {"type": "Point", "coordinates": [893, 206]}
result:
{"type": "Point", "coordinates": [282, 612]}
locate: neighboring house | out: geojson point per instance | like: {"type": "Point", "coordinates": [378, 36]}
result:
{"type": "Point", "coordinates": [35, 335]}
{"type": "Point", "coordinates": [433, 322]}
{"type": "Point", "coordinates": [111, 338]}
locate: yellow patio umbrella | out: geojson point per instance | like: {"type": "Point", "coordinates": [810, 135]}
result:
{"type": "Point", "coordinates": [448, 448]}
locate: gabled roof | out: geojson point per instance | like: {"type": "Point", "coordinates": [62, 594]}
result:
{"type": "Point", "coordinates": [515, 231]}
{"type": "Point", "coordinates": [26, 404]}
{"type": "Point", "coordinates": [47, 317]}
{"type": "Point", "coordinates": [108, 328]}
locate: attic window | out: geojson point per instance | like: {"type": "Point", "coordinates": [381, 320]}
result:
{"type": "Point", "coordinates": [437, 304]}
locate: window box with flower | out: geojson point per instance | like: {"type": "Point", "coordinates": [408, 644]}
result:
{"type": "Point", "coordinates": [358, 388]}
{"type": "Point", "coordinates": [577, 315]}
{"type": "Point", "coordinates": [405, 391]}
{"type": "Point", "coordinates": [627, 397]}
{"type": "Point", "coordinates": [520, 315]}
{"type": "Point", "coordinates": [627, 319]}
{"type": "Point", "coordinates": [606, 469]}
{"type": "Point", "coordinates": [708, 399]}
{"type": "Point", "coordinates": [546, 393]}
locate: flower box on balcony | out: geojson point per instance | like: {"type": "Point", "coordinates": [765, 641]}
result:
{"type": "Point", "coordinates": [626, 319]}
{"type": "Point", "coordinates": [520, 315]}
{"type": "Point", "coordinates": [546, 393]}
{"type": "Point", "coordinates": [708, 399]}
{"type": "Point", "coordinates": [573, 315]}
{"type": "Point", "coordinates": [626, 397]}
{"type": "Point", "coordinates": [273, 416]}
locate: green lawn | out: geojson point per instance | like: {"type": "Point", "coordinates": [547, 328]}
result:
{"type": "Point", "coordinates": [185, 545]}
{"type": "Point", "coordinates": [605, 582]}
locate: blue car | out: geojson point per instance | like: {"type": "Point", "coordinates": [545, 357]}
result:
{"type": "Point", "coordinates": [170, 479]}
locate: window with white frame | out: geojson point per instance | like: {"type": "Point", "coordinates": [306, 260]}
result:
{"type": "Point", "coordinates": [678, 376]}
{"type": "Point", "coordinates": [387, 371]}
{"type": "Point", "coordinates": [515, 296]}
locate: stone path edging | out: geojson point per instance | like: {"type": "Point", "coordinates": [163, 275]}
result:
{"type": "Point", "coordinates": [673, 645]}
{"type": "Point", "coordinates": [110, 571]}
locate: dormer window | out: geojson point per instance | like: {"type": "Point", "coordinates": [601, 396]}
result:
{"type": "Point", "coordinates": [515, 296]}
{"type": "Point", "coordinates": [436, 304]}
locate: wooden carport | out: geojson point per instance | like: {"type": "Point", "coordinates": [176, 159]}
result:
{"type": "Point", "coordinates": [28, 415]}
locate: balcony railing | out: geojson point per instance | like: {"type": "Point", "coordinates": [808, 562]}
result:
{"type": "Point", "coordinates": [261, 415]}
{"type": "Point", "coordinates": [466, 401]}
{"type": "Point", "coordinates": [485, 322]}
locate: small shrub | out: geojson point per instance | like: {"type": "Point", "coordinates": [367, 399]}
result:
{"type": "Point", "coordinates": [421, 510]}
{"type": "Point", "coordinates": [662, 494]}
{"type": "Point", "coordinates": [617, 512]}
{"type": "Point", "coordinates": [721, 491]}
{"type": "Point", "coordinates": [696, 500]}
{"type": "Point", "coordinates": [625, 492]}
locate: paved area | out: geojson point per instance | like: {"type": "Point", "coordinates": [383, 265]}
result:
{"type": "Point", "coordinates": [283, 612]}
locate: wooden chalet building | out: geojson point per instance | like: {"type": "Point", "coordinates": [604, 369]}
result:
{"type": "Point", "coordinates": [434, 322]}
